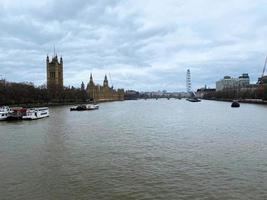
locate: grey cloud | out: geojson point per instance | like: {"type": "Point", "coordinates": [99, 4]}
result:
{"type": "Point", "coordinates": [144, 45]}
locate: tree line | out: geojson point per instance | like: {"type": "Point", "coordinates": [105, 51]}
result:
{"type": "Point", "coordinates": [260, 93]}
{"type": "Point", "coordinates": [27, 93]}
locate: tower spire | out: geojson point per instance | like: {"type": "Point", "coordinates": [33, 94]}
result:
{"type": "Point", "coordinates": [105, 83]}
{"type": "Point", "coordinates": [91, 79]}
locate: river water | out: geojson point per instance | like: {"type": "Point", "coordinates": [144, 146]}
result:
{"type": "Point", "coordinates": [145, 149]}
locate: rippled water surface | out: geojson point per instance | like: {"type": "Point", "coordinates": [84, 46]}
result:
{"type": "Point", "coordinates": [137, 150]}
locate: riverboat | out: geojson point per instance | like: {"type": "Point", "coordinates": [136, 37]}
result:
{"type": "Point", "coordinates": [235, 104]}
{"type": "Point", "coordinates": [193, 99]}
{"type": "Point", "coordinates": [17, 113]}
{"type": "Point", "coordinates": [5, 112]}
{"type": "Point", "coordinates": [85, 107]}
{"type": "Point", "coordinates": [36, 113]}
{"type": "Point", "coordinates": [92, 107]}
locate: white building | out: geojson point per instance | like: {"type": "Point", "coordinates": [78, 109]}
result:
{"type": "Point", "coordinates": [228, 82]}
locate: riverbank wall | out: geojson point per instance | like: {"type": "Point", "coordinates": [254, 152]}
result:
{"type": "Point", "coordinates": [53, 104]}
{"type": "Point", "coordinates": [251, 101]}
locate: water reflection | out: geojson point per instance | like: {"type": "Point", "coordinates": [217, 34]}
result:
{"type": "Point", "coordinates": [137, 150]}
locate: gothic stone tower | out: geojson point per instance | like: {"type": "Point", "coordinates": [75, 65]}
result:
{"type": "Point", "coordinates": [54, 73]}
{"type": "Point", "coordinates": [92, 89]}
{"type": "Point", "coordinates": [105, 82]}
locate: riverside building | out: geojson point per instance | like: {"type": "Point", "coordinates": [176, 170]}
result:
{"type": "Point", "coordinates": [103, 92]}
{"type": "Point", "coordinates": [229, 83]}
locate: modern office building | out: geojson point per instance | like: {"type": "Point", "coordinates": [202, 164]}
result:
{"type": "Point", "coordinates": [228, 83]}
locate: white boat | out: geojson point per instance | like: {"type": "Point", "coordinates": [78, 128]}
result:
{"type": "Point", "coordinates": [5, 112]}
{"type": "Point", "coordinates": [85, 107]}
{"type": "Point", "coordinates": [92, 107]}
{"type": "Point", "coordinates": [36, 113]}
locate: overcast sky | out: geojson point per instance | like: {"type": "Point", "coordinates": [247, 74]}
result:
{"type": "Point", "coordinates": [143, 44]}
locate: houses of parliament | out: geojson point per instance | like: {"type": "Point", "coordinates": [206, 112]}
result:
{"type": "Point", "coordinates": [103, 92]}
{"type": "Point", "coordinates": [95, 92]}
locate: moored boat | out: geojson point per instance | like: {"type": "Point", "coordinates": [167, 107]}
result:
{"type": "Point", "coordinates": [17, 113]}
{"type": "Point", "coordinates": [5, 112]}
{"type": "Point", "coordinates": [235, 104]}
{"type": "Point", "coordinates": [78, 108]}
{"type": "Point", "coordinates": [36, 113]}
{"type": "Point", "coordinates": [92, 107]}
{"type": "Point", "coordinates": [85, 107]}
{"type": "Point", "coordinates": [193, 99]}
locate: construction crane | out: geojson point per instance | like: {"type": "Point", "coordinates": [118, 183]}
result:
{"type": "Point", "coordinates": [260, 82]}
{"type": "Point", "coordinates": [264, 68]}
